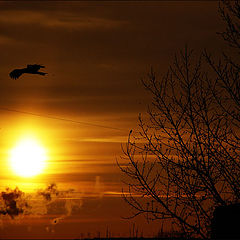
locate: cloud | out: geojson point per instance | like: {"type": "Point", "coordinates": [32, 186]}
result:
{"type": "Point", "coordinates": [51, 200]}
{"type": "Point", "coordinates": [49, 191]}
{"type": "Point", "coordinates": [99, 186]}
{"type": "Point", "coordinates": [59, 202]}
{"type": "Point", "coordinates": [65, 21]}
{"type": "Point", "coordinates": [6, 40]}
{"type": "Point", "coordinates": [12, 203]}
{"type": "Point", "coordinates": [63, 203]}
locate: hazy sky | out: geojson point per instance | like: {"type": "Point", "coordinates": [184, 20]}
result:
{"type": "Point", "coordinates": [95, 55]}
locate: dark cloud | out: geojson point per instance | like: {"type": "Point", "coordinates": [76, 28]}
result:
{"type": "Point", "coordinates": [13, 203]}
{"type": "Point", "coordinates": [60, 202]}
{"type": "Point", "coordinates": [47, 201]}
{"type": "Point", "coordinates": [49, 191]}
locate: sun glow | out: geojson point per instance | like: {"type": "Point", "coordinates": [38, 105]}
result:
{"type": "Point", "coordinates": [28, 158]}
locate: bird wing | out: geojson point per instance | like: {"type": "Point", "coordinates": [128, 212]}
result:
{"type": "Point", "coordinates": [34, 67]}
{"type": "Point", "coordinates": [16, 73]}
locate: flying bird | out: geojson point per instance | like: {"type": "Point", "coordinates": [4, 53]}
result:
{"type": "Point", "coordinates": [32, 69]}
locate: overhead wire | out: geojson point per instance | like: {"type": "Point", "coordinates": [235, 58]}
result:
{"type": "Point", "coordinates": [60, 118]}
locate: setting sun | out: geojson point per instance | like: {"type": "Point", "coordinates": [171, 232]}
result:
{"type": "Point", "coordinates": [28, 158]}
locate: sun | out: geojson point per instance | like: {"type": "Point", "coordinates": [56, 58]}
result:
{"type": "Point", "coordinates": [28, 158]}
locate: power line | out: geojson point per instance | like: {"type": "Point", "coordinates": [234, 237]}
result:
{"type": "Point", "coordinates": [60, 118]}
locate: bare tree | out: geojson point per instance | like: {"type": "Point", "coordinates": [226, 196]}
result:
{"type": "Point", "coordinates": [185, 159]}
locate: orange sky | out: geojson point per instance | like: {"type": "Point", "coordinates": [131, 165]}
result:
{"type": "Point", "coordinates": [95, 54]}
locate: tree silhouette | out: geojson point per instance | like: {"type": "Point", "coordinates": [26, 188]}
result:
{"type": "Point", "coordinates": [185, 161]}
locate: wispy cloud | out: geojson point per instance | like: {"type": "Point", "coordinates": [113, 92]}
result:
{"type": "Point", "coordinates": [65, 21]}
{"type": "Point", "coordinates": [6, 40]}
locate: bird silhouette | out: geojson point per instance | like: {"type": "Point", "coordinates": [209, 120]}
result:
{"type": "Point", "coordinates": [32, 69]}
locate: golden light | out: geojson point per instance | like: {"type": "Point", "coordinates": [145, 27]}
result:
{"type": "Point", "coordinates": [28, 158]}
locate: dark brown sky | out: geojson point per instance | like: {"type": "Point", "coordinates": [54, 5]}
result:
{"type": "Point", "coordinates": [95, 54]}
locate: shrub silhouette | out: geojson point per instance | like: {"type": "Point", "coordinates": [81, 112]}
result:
{"type": "Point", "coordinates": [225, 222]}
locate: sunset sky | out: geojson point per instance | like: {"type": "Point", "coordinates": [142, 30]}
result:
{"type": "Point", "coordinates": [95, 54]}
